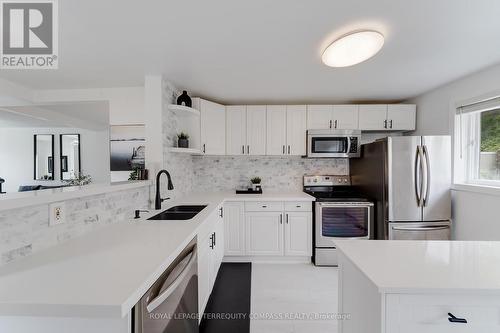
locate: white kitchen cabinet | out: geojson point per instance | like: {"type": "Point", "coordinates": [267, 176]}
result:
{"type": "Point", "coordinates": [286, 130]}
{"type": "Point", "coordinates": [234, 224]}
{"type": "Point", "coordinates": [236, 130]}
{"type": "Point", "coordinates": [298, 234]}
{"type": "Point", "coordinates": [373, 117]}
{"type": "Point", "coordinates": [276, 130]}
{"type": "Point", "coordinates": [256, 130]}
{"type": "Point", "coordinates": [204, 273]}
{"type": "Point", "coordinates": [210, 253]}
{"type": "Point", "coordinates": [345, 116]}
{"type": "Point", "coordinates": [296, 129]}
{"type": "Point", "coordinates": [213, 127]}
{"type": "Point", "coordinates": [264, 233]}
{"type": "Point", "coordinates": [382, 117]}
{"type": "Point", "coordinates": [319, 116]}
{"type": "Point", "coordinates": [401, 117]}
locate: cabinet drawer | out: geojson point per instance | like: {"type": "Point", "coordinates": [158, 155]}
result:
{"type": "Point", "coordinates": [264, 206]}
{"type": "Point", "coordinates": [298, 206]}
{"type": "Point", "coordinates": [429, 313]}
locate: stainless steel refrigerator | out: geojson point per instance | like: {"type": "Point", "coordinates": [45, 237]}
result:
{"type": "Point", "coordinates": [409, 178]}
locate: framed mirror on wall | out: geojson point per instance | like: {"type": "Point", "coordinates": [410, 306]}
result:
{"type": "Point", "coordinates": [43, 147]}
{"type": "Point", "coordinates": [70, 156]}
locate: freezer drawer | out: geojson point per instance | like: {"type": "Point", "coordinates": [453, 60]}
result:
{"type": "Point", "coordinates": [420, 231]}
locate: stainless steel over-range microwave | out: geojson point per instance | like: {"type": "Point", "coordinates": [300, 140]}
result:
{"type": "Point", "coordinates": [333, 143]}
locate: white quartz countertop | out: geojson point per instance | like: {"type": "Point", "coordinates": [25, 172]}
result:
{"type": "Point", "coordinates": [105, 273]}
{"type": "Point", "coordinates": [427, 266]}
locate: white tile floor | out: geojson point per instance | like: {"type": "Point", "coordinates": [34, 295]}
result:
{"type": "Point", "coordinates": [293, 290]}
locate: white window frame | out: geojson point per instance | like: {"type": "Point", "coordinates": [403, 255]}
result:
{"type": "Point", "coordinates": [467, 141]}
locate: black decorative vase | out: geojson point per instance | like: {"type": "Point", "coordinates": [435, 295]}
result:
{"type": "Point", "coordinates": [183, 143]}
{"type": "Point", "coordinates": [184, 99]}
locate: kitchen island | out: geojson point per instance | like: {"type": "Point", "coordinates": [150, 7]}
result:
{"type": "Point", "coordinates": [419, 286]}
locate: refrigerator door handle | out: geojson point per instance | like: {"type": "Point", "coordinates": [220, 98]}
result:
{"type": "Point", "coordinates": [416, 178]}
{"type": "Point", "coordinates": [427, 176]}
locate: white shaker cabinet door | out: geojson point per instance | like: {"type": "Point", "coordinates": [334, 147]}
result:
{"type": "Point", "coordinates": [236, 130]}
{"type": "Point", "coordinates": [401, 117]}
{"type": "Point", "coordinates": [298, 233]}
{"type": "Point", "coordinates": [373, 117]}
{"type": "Point", "coordinates": [276, 130]}
{"type": "Point", "coordinates": [213, 128]}
{"type": "Point", "coordinates": [256, 130]}
{"type": "Point", "coordinates": [296, 129]}
{"type": "Point", "coordinates": [345, 116]}
{"type": "Point", "coordinates": [234, 228]}
{"type": "Point", "coordinates": [319, 116]}
{"type": "Point", "coordinates": [264, 233]}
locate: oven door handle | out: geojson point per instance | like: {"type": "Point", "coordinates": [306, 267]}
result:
{"type": "Point", "coordinates": [345, 204]}
{"type": "Point", "coordinates": [441, 227]}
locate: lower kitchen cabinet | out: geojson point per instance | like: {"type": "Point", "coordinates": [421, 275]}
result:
{"type": "Point", "coordinates": [298, 234]}
{"type": "Point", "coordinates": [210, 253]}
{"type": "Point", "coordinates": [234, 229]}
{"type": "Point", "coordinates": [268, 229]}
{"type": "Point", "coordinates": [264, 233]}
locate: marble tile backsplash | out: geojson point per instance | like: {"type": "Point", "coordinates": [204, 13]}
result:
{"type": "Point", "coordinates": [26, 231]}
{"type": "Point", "coordinates": [225, 173]}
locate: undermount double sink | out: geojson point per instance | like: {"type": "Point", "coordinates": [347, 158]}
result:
{"type": "Point", "coordinates": [182, 212]}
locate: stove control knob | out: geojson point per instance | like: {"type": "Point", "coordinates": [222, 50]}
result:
{"type": "Point", "coordinates": [315, 180]}
{"type": "Point", "coordinates": [345, 180]}
{"type": "Point", "coordinates": [339, 180]}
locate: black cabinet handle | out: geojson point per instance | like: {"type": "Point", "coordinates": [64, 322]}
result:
{"type": "Point", "coordinates": [248, 149]}
{"type": "Point", "coordinates": [215, 242]}
{"type": "Point", "coordinates": [243, 149]}
{"type": "Point", "coordinates": [385, 123]}
{"type": "Point", "coordinates": [204, 150]}
{"type": "Point", "coordinates": [454, 319]}
{"type": "Point", "coordinates": [221, 212]}
{"type": "Point", "coordinates": [264, 206]}
{"type": "Point", "coordinates": [212, 241]}
{"type": "Point", "coordinates": [336, 122]}
{"type": "Point", "coordinates": [288, 149]}
{"type": "Point", "coordinates": [283, 149]}
{"type": "Point", "coordinates": [286, 218]}
{"type": "Point", "coordinates": [390, 123]}
{"type": "Point", "coordinates": [281, 218]}
{"type": "Point", "coordinates": [330, 124]}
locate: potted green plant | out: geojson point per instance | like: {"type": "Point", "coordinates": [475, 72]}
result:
{"type": "Point", "coordinates": [182, 140]}
{"type": "Point", "coordinates": [256, 183]}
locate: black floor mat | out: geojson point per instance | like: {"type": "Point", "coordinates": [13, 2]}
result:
{"type": "Point", "coordinates": [228, 309]}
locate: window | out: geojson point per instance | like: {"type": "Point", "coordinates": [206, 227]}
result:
{"type": "Point", "coordinates": [478, 143]}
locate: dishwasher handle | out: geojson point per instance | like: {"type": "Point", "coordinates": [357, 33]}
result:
{"type": "Point", "coordinates": [157, 301]}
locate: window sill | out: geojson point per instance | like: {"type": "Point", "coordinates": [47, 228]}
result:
{"type": "Point", "coordinates": [476, 188]}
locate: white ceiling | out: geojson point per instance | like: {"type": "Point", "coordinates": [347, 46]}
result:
{"type": "Point", "coordinates": [270, 51]}
{"type": "Point", "coordinates": [88, 115]}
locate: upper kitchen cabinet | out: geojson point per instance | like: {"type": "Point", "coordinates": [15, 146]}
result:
{"type": "Point", "coordinates": [382, 117]}
{"type": "Point", "coordinates": [296, 120]}
{"type": "Point", "coordinates": [401, 117]}
{"type": "Point", "coordinates": [286, 130]}
{"type": "Point", "coordinates": [236, 129]}
{"type": "Point", "coordinates": [319, 116]}
{"type": "Point", "coordinates": [332, 116]}
{"type": "Point", "coordinates": [276, 130]}
{"type": "Point", "coordinates": [345, 116]}
{"type": "Point", "coordinates": [256, 130]}
{"type": "Point", "coordinates": [213, 127]}
{"type": "Point", "coordinates": [373, 117]}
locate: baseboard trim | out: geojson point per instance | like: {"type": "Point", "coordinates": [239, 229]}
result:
{"type": "Point", "coordinates": [269, 259]}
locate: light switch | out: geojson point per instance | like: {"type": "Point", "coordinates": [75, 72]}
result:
{"type": "Point", "coordinates": [57, 213]}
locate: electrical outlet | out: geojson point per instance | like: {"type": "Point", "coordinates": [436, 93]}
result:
{"type": "Point", "coordinates": [57, 213]}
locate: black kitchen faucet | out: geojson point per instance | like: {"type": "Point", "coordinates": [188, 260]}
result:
{"type": "Point", "coordinates": [170, 186]}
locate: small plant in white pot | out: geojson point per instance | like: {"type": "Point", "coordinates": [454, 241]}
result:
{"type": "Point", "coordinates": [256, 183]}
{"type": "Point", "coordinates": [182, 140]}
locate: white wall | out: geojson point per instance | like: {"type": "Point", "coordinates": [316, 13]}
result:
{"type": "Point", "coordinates": [474, 213]}
{"type": "Point", "coordinates": [16, 155]}
{"type": "Point", "coordinates": [126, 105]}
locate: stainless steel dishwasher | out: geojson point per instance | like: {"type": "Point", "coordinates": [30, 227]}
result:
{"type": "Point", "coordinates": [171, 304]}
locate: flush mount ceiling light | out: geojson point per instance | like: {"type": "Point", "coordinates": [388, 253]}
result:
{"type": "Point", "coordinates": [353, 48]}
